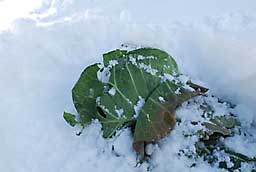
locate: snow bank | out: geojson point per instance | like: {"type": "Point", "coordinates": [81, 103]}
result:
{"type": "Point", "coordinates": [41, 59]}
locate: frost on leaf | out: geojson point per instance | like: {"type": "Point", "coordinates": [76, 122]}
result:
{"type": "Point", "coordinates": [129, 94]}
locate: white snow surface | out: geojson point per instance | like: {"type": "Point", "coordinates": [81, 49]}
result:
{"type": "Point", "coordinates": [41, 58]}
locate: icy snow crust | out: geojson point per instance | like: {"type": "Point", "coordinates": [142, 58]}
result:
{"type": "Point", "coordinates": [40, 64]}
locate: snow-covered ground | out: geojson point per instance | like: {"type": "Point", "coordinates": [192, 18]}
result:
{"type": "Point", "coordinates": [42, 56]}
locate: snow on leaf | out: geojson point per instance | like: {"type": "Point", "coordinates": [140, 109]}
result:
{"type": "Point", "coordinates": [157, 59]}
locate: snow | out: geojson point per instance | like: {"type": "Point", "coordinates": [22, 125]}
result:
{"type": "Point", "coordinates": [103, 75]}
{"type": "Point", "coordinates": [42, 56]}
{"type": "Point", "coordinates": [243, 144]}
{"type": "Point", "coordinates": [150, 148]}
{"type": "Point", "coordinates": [14, 9]}
{"type": "Point", "coordinates": [177, 91]}
{"type": "Point", "coordinates": [183, 79]}
{"type": "Point", "coordinates": [247, 118]}
{"type": "Point", "coordinates": [167, 155]}
{"type": "Point", "coordinates": [112, 91]}
{"type": "Point", "coordinates": [147, 68]}
{"type": "Point", "coordinates": [137, 108]}
{"type": "Point", "coordinates": [140, 57]}
{"type": "Point", "coordinates": [143, 66]}
{"type": "Point", "coordinates": [113, 63]}
{"type": "Point", "coordinates": [132, 60]}
{"type": "Point", "coordinates": [167, 77]}
{"type": "Point", "coordinates": [119, 112]}
{"type": "Point", "coordinates": [161, 99]}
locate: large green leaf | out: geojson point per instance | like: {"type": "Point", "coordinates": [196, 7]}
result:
{"type": "Point", "coordinates": [134, 88]}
